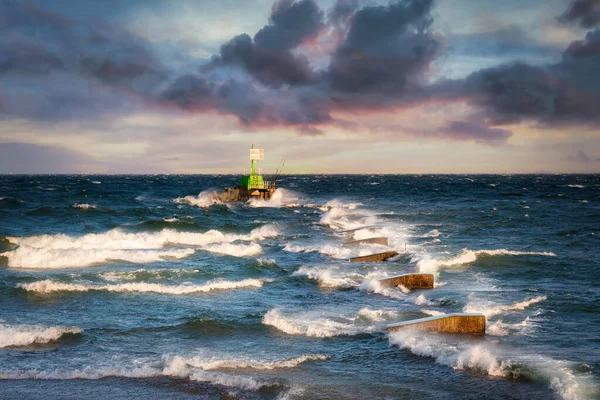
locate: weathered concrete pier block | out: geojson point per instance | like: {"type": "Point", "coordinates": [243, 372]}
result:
{"type": "Point", "coordinates": [375, 257]}
{"type": "Point", "coordinates": [377, 240]}
{"type": "Point", "coordinates": [410, 281]}
{"type": "Point", "coordinates": [472, 324]}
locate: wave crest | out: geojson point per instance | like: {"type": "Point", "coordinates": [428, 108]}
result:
{"type": "Point", "coordinates": [430, 265]}
{"type": "Point", "coordinates": [24, 335]}
{"type": "Point", "coordinates": [47, 286]}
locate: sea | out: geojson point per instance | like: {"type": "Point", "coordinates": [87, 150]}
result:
{"type": "Point", "coordinates": [144, 286]}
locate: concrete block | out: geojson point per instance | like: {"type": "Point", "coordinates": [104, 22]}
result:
{"type": "Point", "coordinates": [377, 240]}
{"type": "Point", "coordinates": [375, 257]}
{"type": "Point", "coordinates": [410, 281]}
{"type": "Point", "coordinates": [472, 324]}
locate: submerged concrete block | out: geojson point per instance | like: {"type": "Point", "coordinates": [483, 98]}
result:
{"type": "Point", "coordinates": [378, 240]}
{"type": "Point", "coordinates": [473, 324]}
{"type": "Point", "coordinates": [410, 281]}
{"type": "Point", "coordinates": [375, 257]}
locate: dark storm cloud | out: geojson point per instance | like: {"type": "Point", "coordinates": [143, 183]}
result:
{"type": "Point", "coordinates": [343, 10]}
{"type": "Point", "coordinates": [268, 58]}
{"type": "Point", "coordinates": [290, 24]}
{"type": "Point", "coordinates": [478, 132]}
{"type": "Point", "coordinates": [387, 48]}
{"type": "Point", "coordinates": [273, 67]}
{"type": "Point", "coordinates": [566, 92]}
{"type": "Point", "coordinates": [47, 56]}
{"type": "Point", "coordinates": [385, 51]}
{"type": "Point", "coordinates": [377, 57]}
{"type": "Point", "coordinates": [585, 13]}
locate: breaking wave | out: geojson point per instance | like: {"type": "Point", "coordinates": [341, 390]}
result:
{"type": "Point", "coordinates": [196, 369]}
{"type": "Point", "coordinates": [431, 265]}
{"type": "Point", "coordinates": [314, 325]}
{"type": "Point", "coordinates": [486, 358]}
{"type": "Point", "coordinates": [25, 335]}
{"type": "Point", "coordinates": [204, 199]}
{"type": "Point", "coordinates": [212, 363]}
{"type": "Point", "coordinates": [490, 309]}
{"type": "Point", "coordinates": [335, 251]}
{"type": "Point", "coordinates": [371, 284]}
{"type": "Point", "coordinates": [280, 198]}
{"type": "Point", "coordinates": [48, 286]}
{"type": "Point", "coordinates": [459, 355]}
{"type": "Point", "coordinates": [62, 251]}
{"type": "Point", "coordinates": [328, 277]}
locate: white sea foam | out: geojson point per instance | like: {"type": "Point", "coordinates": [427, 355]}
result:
{"type": "Point", "coordinates": [421, 300]}
{"type": "Point", "coordinates": [24, 335]}
{"type": "Point", "coordinates": [433, 313]}
{"type": "Point", "coordinates": [174, 219]}
{"type": "Point", "coordinates": [576, 186]}
{"type": "Point", "coordinates": [203, 200]}
{"type": "Point", "coordinates": [488, 358]}
{"type": "Point", "coordinates": [280, 198]}
{"type": "Point", "coordinates": [501, 328]}
{"type": "Point", "coordinates": [376, 315]}
{"type": "Point", "coordinates": [48, 286]}
{"type": "Point", "coordinates": [83, 206]}
{"type": "Point", "coordinates": [431, 265]}
{"type": "Point", "coordinates": [170, 365]}
{"type": "Point", "coordinates": [434, 233]}
{"type": "Point", "coordinates": [266, 261]}
{"type": "Point", "coordinates": [62, 251]}
{"type": "Point", "coordinates": [490, 309]}
{"type": "Point", "coordinates": [180, 367]}
{"type": "Point", "coordinates": [456, 354]}
{"type": "Point", "coordinates": [371, 284]}
{"type": "Point", "coordinates": [316, 325]}
{"type": "Point", "coordinates": [212, 363]}
{"type": "Point", "coordinates": [335, 251]}
{"type": "Point", "coordinates": [238, 250]}
{"type": "Point", "coordinates": [328, 277]}
{"type": "Point", "coordinates": [339, 215]}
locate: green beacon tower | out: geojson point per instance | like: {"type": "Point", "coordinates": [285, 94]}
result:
{"type": "Point", "coordinates": [251, 186]}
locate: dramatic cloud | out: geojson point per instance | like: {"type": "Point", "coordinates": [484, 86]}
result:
{"type": "Point", "coordinates": [304, 69]}
{"type": "Point", "coordinates": [585, 13]}
{"type": "Point", "coordinates": [385, 52]}
{"type": "Point", "coordinates": [386, 49]}
{"type": "Point", "coordinates": [565, 92]}
{"type": "Point", "coordinates": [45, 57]}
{"type": "Point", "coordinates": [510, 41]}
{"type": "Point", "coordinates": [465, 130]}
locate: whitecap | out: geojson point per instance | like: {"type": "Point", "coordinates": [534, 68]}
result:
{"type": "Point", "coordinates": [48, 286]}
{"type": "Point", "coordinates": [24, 335]}
{"type": "Point", "coordinates": [490, 309]}
{"type": "Point", "coordinates": [62, 251]}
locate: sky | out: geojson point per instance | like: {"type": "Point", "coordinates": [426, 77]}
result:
{"type": "Point", "coordinates": [336, 86]}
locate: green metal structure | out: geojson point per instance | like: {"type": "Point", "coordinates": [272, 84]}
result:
{"type": "Point", "coordinates": [254, 181]}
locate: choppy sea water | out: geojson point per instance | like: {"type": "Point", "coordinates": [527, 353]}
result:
{"type": "Point", "coordinates": [139, 286]}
